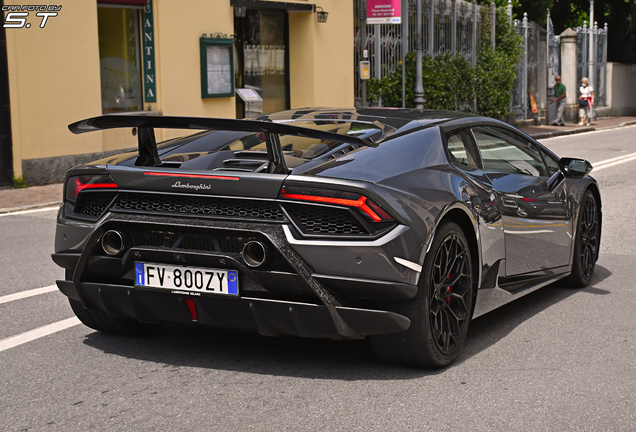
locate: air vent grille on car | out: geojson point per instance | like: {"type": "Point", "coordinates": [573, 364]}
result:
{"type": "Point", "coordinates": [314, 219]}
{"type": "Point", "coordinates": [93, 204]}
{"type": "Point", "coordinates": [200, 206]}
{"type": "Point", "coordinates": [343, 151]}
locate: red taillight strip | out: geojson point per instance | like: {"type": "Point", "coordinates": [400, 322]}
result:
{"type": "Point", "coordinates": [79, 186]}
{"type": "Point", "coordinates": [203, 176]}
{"type": "Point", "coordinates": [360, 203]}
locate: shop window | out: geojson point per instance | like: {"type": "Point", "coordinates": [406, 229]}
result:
{"type": "Point", "coordinates": [120, 59]}
{"type": "Point", "coordinates": [262, 43]}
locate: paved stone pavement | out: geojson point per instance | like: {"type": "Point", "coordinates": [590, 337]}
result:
{"type": "Point", "coordinates": [547, 131]}
{"type": "Point", "coordinates": [14, 199]}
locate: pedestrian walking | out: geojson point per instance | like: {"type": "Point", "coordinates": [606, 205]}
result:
{"type": "Point", "coordinates": [586, 102]}
{"type": "Point", "coordinates": [559, 98]}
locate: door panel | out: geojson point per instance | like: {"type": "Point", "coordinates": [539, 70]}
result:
{"type": "Point", "coordinates": [537, 232]}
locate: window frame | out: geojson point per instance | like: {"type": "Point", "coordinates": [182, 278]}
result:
{"type": "Point", "coordinates": [494, 129]}
{"type": "Point", "coordinates": [137, 11]}
{"type": "Point", "coordinates": [471, 143]}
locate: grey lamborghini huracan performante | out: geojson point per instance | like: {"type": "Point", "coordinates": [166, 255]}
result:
{"type": "Point", "coordinates": [394, 225]}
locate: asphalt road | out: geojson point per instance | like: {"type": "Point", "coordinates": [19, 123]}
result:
{"type": "Point", "coordinates": [556, 360]}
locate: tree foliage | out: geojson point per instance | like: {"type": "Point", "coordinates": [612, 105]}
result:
{"type": "Point", "coordinates": [452, 83]}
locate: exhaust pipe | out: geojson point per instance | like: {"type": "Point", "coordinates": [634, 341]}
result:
{"type": "Point", "coordinates": [256, 254]}
{"type": "Point", "coordinates": [113, 242]}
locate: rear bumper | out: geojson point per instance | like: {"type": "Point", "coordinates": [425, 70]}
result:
{"type": "Point", "coordinates": [296, 299]}
{"type": "Point", "coordinates": [267, 317]}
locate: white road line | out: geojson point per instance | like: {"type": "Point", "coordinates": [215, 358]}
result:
{"type": "Point", "coordinates": [37, 333]}
{"type": "Point", "coordinates": [21, 212]}
{"type": "Point", "coordinates": [611, 164]}
{"type": "Point", "coordinates": [603, 162]}
{"type": "Point", "coordinates": [26, 294]}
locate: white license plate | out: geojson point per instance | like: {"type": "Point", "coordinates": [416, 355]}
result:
{"type": "Point", "coordinates": [187, 279]}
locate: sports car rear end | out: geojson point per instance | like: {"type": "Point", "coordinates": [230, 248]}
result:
{"type": "Point", "coordinates": [212, 234]}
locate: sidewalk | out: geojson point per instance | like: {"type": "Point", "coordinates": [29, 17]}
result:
{"type": "Point", "coordinates": [548, 131]}
{"type": "Point", "coordinates": [15, 199]}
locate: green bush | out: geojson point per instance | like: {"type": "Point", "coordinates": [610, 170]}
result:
{"type": "Point", "coordinates": [18, 182]}
{"type": "Point", "coordinates": [452, 83]}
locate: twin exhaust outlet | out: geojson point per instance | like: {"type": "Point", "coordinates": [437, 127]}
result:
{"type": "Point", "coordinates": [255, 254]}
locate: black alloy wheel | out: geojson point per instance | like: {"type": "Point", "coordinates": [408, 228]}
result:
{"type": "Point", "coordinates": [450, 302]}
{"type": "Point", "coordinates": [441, 310]}
{"type": "Point", "coordinates": [587, 243]}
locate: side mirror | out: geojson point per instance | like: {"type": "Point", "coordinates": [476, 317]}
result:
{"type": "Point", "coordinates": [569, 168]}
{"type": "Point", "coordinates": [575, 168]}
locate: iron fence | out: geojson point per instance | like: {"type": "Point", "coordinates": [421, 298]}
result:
{"type": "Point", "coordinates": [553, 56]}
{"type": "Point", "coordinates": [598, 61]}
{"type": "Point", "coordinates": [452, 26]}
{"type": "Point", "coordinates": [448, 26]}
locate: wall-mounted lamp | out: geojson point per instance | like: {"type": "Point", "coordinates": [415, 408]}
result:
{"type": "Point", "coordinates": [321, 15]}
{"type": "Point", "coordinates": [240, 11]}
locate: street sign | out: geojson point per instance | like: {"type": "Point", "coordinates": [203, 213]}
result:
{"type": "Point", "coordinates": [384, 12]}
{"type": "Point", "coordinates": [365, 70]}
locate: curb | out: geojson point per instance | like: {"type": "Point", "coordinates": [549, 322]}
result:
{"type": "Point", "coordinates": [29, 207]}
{"type": "Point", "coordinates": [627, 123]}
{"type": "Point", "coordinates": [578, 131]}
{"type": "Point", "coordinates": [562, 133]}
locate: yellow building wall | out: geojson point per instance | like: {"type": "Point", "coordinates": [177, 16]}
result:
{"type": "Point", "coordinates": [53, 81]}
{"type": "Point", "coordinates": [178, 30]}
{"type": "Point", "coordinates": [321, 57]}
{"type": "Point", "coordinates": [54, 72]}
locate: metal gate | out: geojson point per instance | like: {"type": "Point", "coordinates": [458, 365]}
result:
{"type": "Point", "coordinates": [553, 65]}
{"type": "Point", "coordinates": [598, 61]}
{"type": "Point", "coordinates": [527, 75]}
{"type": "Point", "coordinates": [448, 26]}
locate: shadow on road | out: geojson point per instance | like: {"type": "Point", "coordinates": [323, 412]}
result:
{"type": "Point", "coordinates": [496, 325]}
{"type": "Point", "coordinates": [192, 346]}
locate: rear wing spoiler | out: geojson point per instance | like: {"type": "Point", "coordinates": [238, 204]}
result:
{"type": "Point", "coordinates": [145, 124]}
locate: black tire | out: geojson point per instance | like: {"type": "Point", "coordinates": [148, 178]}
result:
{"type": "Point", "coordinates": [101, 321]}
{"type": "Point", "coordinates": [587, 242]}
{"type": "Point", "coordinates": [441, 310]}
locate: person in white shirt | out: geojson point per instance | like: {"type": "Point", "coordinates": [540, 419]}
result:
{"type": "Point", "coordinates": [586, 101]}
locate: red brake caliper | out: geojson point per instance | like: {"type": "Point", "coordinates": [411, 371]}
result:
{"type": "Point", "coordinates": [450, 290]}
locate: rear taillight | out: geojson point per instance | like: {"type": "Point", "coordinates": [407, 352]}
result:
{"type": "Point", "coordinates": [75, 185]}
{"type": "Point", "coordinates": [364, 205]}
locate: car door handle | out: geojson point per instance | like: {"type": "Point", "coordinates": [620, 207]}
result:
{"type": "Point", "coordinates": [509, 202]}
